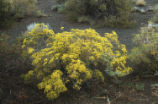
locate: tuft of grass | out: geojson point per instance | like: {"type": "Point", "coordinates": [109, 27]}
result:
{"type": "Point", "coordinates": [140, 3]}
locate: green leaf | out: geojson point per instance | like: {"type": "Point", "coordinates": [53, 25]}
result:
{"type": "Point", "coordinates": [140, 87]}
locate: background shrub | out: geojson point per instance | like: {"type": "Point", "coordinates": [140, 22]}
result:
{"type": "Point", "coordinates": [22, 8]}
{"type": "Point", "coordinates": [13, 9]}
{"type": "Point", "coordinates": [11, 61]}
{"type": "Point", "coordinates": [155, 18]}
{"type": "Point", "coordinates": [144, 55]}
{"type": "Point", "coordinates": [60, 1]}
{"type": "Point", "coordinates": [68, 59]}
{"type": "Point", "coordinates": [102, 12]}
{"type": "Point", "coordinates": [5, 13]}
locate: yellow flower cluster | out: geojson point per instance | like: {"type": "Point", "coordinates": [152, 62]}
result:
{"type": "Point", "coordinates": [98, 75]}
{"type": "Point", "coordinates": [72, 57]}
{"type": "Point", "coordinates": [118, 62]}
{"type": "Point", "coordinates": [30, 50]}
{"type": "Point", "coordinates": [53, 84]}
{"type": "Point", "coordinates": [76, 69]}
{"type": "Point", "coordinates": [36, 39]}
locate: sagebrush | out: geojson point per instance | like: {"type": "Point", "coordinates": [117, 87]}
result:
{"type": "Point", "coordinates": [11, 10]}
{"type": "Point", "coordinates": [22, 8]}
{"type": "Point", "coordinates": [5, 13]}
{"type": "Point", "coordinates": [111, 13]}
{"type": "Point", "coordinates": [144, 56]}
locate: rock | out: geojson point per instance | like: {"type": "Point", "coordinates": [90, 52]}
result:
{"type": "Point", "coordinates": [155, 25]}
{"type": "Point", "coordinates": [150, 8]}
{"type": "Point", "coordinates": [143, 9]}
{"type": "Point", "coordinates": [139, 9]}
{"type": "Point", "coordinates": [59, 7]}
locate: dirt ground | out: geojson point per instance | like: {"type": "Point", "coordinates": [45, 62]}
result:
{"type": "Point", "coordinates": [13, 90]}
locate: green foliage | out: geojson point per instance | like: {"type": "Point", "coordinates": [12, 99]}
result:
{"type": "Point", "coordinates": [112, 13]}
{"type": "Point", "coordinates": [60, 1]}
{"type": "Point", "coordinates": [5, 13]}
{"type": "Point", "coordinates": [140, 87]}
{"type": "Point", "coordinates": [68, 59]}
{"type": "Point", "coordinates": [154, 85]}
{"type": "Point", "coordinates": [22, 8]}
{"type": "Point", "coordinates": [13, 9]}
{"type": "Point", "coordinates": [155, 18]}
{"type": "Point", "coordinates": [144, 55]}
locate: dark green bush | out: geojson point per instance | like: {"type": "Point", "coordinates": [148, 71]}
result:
{"type": "Point", "coordinates": [144, 56]}
{"type": "Point", "coordinates": [155, 18]}
{"type": "Point", "coordinates": [60, 1]}
{"type": "Point", "coordinates": [10, 55]}
{"type": "Point", "coordinates": [5, 13]}
{"type": "Point", "coordinates": [16, 9]}
{"type": "Point", "coordinates": [103, 12]}
{"type": "Point", "coordinates": [23, 8]}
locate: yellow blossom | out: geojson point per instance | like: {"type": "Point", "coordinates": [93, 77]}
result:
{"type": "Point", "coordinates": [30, 50]}
{"type": "Point", "coordinates": [62, 28]}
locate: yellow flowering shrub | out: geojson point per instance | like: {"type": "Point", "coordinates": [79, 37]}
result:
{"type": "Point", "coordinates": [72, 58]}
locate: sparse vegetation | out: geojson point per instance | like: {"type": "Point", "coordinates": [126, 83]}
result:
{"type": "Point", "coordinates": [155, 18]}
{"type": "Point", "coordinates": [14, 9]}
{"type": "Point", "coordinates": [111, 13]}
{"type": "Point", "coordinates": [22, 8]}
{"type": "Point", "coordinates": [5, 13]}
{"type": "Point", "coordinates": [144, 56]}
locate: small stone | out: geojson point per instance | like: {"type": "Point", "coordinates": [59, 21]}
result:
{"type": "Point", "coordinates": [155, 25]}
{"type": "Point", "coordinates": [56, 7]}
{"type": "Point", "coordinates": [139, 9]}
{"type": "Point", "coordinates": [150, 8]}
{"type": "Point", "coordinates": [142, 11]}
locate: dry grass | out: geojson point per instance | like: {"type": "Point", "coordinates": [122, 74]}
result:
{"type": "Point", "coordinates": [140, 3]}
{"type": "Point", "coordinates": [22, 8]}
